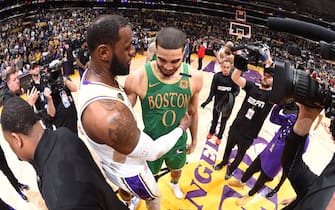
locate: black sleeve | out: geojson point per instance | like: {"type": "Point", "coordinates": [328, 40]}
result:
{"type": "Point", "coordinates": [294, 145]}
{"type": "Point", "coordinates": [248, 85]}
{"type": "Point", "coordinates": [298, 173]}
{"type": "Point", "coordinates": [236, 89]}
{"type": "Point", "coordinates": [212, 90]}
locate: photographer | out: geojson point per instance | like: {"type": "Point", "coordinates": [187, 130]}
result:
{"type": "Point", "coordinates": [43, 104]}
{"type": "Point", "coordinates": [313, 192]}
{"type": "Point", "coordinates": [66, 112]}
{"type": "Point", "coordinates": [61, 110]}
{"type": "Point", "coordinates": [253, 111]}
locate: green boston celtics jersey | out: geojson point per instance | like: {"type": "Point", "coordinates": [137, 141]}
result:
{"type": "Point", "coordinates": [164, 105]}
{"type": "Point", "coordinates": [154, 57]}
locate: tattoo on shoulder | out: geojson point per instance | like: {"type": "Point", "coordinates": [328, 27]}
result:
{"type": "Point", "coordinates": [120, 121]}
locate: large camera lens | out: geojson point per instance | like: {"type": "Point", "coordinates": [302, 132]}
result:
{"type": "Point", "coordinates": [290, 83]}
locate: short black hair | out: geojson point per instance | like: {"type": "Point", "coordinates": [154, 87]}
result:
{"type": "Point", "coordinates": [18, 116]}
{"type": "Point", "coordinates": [170, 38]}
{"type": "Point", "coordinates": [105, 30]}
{"type": "Point", "coordinates": [269, 70]}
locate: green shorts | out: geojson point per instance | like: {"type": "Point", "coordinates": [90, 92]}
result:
{"type": "Point", "coordinates": [174, 159]}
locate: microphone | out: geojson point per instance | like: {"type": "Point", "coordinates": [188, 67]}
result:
{"type": "Point", "coordinates": [304, 29]}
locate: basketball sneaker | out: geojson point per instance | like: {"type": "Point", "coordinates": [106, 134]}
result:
{"type": "Point", "coordinates": [209, 136]}
{"type": "Point", "coordinates": [134, 202]}
{"type": "Point", "coordinates": [176, 190]}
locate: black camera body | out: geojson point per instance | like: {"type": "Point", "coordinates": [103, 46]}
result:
{"type": "Point", "coordinates": [290, 83]}
{"type": "Point", "coordinates": [254, 52]}
{"type": "Point", "coordinates": [296, 84]}
{"type": "Point", "coordinates": [53, 76]}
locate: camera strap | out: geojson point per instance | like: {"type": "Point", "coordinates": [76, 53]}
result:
{"type": "Point", "coordinates": [65, 99]}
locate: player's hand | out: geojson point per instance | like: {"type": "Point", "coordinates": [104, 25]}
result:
{"type": "Point", "coordinates": [190, 148]}
{"type": "Point", "coordinates": [185, 122]}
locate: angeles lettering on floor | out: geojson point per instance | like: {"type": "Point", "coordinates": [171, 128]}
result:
{"type": "Point", "coordinates": [202, 180]}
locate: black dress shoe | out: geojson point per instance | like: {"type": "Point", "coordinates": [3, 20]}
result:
{"type": "Point", "coordinates": [23, 186]}
{"type": "Point", "coordinates": [271, 193]}
{"type": "Point", "coordinates": [219, 166]}
{"type": "Point", "coordinates": [23, 196]}
{"type": "Point", "coordinates": [229, 174]}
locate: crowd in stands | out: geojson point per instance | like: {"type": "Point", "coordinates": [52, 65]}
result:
{"type": "Point", "coordinates": [51, 35]}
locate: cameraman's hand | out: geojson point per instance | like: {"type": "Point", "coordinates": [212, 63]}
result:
{"type": "Point", "coordinates": [241, 62]}
{"type": "Point", "coordinates": [32, 96]}
{"type": "Point", "coordinates": [47, 92]}
{"type": "Point", "coordinates": [306, 116]}
{"type": "Point", "coordinates": [268, 62]}
{"type": "Point", "coordinates": [185, 122]}
{"type": "Point", "coordinates": [203, 105]}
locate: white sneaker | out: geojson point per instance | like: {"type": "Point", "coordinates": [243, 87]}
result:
{"type": "Point", "coordinates": [177, 191]}
{"type": "Point", "coordinates": [134, 202]}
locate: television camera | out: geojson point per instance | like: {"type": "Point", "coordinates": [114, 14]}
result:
{"type": "Point", "coordinates": [290, 83]}
{"type": "Point", "coordinates": [52, 77]}
{"type": "Point", "coordinates": [254, 52]}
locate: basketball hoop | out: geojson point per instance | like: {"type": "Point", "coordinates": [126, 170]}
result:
{"type": "Point", "coordinates": [240, 30]}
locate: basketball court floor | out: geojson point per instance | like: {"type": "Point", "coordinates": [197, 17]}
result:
{"type": "Point", "coordinates": [203, 187]}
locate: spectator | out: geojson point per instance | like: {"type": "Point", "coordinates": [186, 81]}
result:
{"type": "Point", "coordinates": [201, 54]}
{"type": "Point", "coordinates": [83, 58]}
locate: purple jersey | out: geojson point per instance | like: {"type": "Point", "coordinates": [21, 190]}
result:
{"type": "Point", "coordinates": [271, 156]}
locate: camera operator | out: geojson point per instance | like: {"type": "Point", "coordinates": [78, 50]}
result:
{"type": "Point", "coordinates": [63, 113]}
{"type": "Point", "coordinates": [66, 112]}
{"type": "Point", "coordinates": [43, 104]}
{"type": "Point", "coordinates": [313, 192]}
{"type": "Point", "coordinates": [252, 113]}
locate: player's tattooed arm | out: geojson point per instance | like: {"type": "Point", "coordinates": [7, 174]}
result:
{"type": "Point", "coordinates": [111, 122]}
